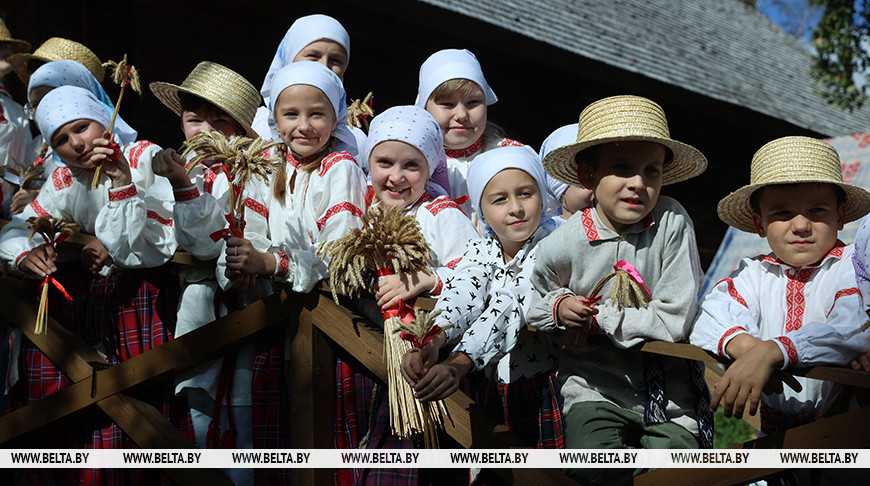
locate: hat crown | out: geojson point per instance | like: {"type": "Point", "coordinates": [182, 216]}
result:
{"type": "Point", "coordinates": [60, 49]}
{"type": "Point", "coordinates": [4, 31]}
{"type": "Point", "coordinates": [223, 87]}
{"type": "Point", "coordinates": [795, 159]}
{"type": "Point", "coordinates": [622, 116]}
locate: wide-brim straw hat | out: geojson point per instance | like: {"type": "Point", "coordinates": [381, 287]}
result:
{"type": "Point", "coordinates": [625, 119]}
{"type": "Point", "coordinates": [18, 45]}
{"type": "Point", "coordinates": [59, 49]}
{"type": "Point", "coordinates": [218, 85]}
{"type": "Point", "coordinates": [791, 160]}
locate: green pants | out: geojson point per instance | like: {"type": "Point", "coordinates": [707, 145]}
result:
{"type": "Point", "coordinates": [602, 425]}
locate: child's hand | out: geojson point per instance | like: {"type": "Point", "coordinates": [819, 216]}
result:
{"type": "Point", "coordinates": [243, 260]}
{"type": "Point", "coordinates": [22, 198]}
{"type": "Point", "coordinates": [94, 256]}
{"type": "Point", "coordinates": [389, 289]}
{"type": "Point", "coordinates": [168, 164]}
{"type": "Point", "coordinates": [443, 379]}
{"type": "Point", "coordinates": [417, 362]}
{"type": "Point", "coordinates": [573, 312]}
{"type": "Point", "coordinates": [746, 379]}
{"type": "Point", "coordinates": [114, 163]}
{"type": "Point", "coordinates": [39, 262]}
{"type": "Point", "coordinates": [861, 362]}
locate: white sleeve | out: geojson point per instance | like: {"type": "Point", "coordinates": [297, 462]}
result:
{"type": "Point", "coordinates": [256, 231]}
{"type": "Point", "coordinates": [15, 240]}
{"type": "Point", "coordinates": [447, 232]}
{"type": "Point", "coordinates": [137, 231]}
{"type": "Point", "coordinates": [550, 281]}
{"type": "Point", "coordinates": [464, 293]}
{"type": "Point", "coordinates": [197, 218]}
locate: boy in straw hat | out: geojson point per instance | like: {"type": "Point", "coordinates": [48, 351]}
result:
{"type": "Point", "coordinates": [615, 395]}
{"type": "Point", "coordinates": [56, 49]}
{"type": "Point", "coordinates": [211, 98]}
{"type": "Point", "coordinates": [797, 306]}
{"type": "Point", "coordinates": [14, 125]}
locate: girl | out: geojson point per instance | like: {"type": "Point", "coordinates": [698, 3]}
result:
{"type": "Point", "coordinates": [568, 199]}
{"type": "Point", "coordinates": [452, 88]}
{"type": "Point", "coordinates": [508, 189]}
{"type": "Point", "coordinates": [403, 148]}
{"type": "Point", "coordinates": [124, 312]}
{"type": "Point", "coordinates": [318, 38]}
{"type": "Point", "coordinates": [212, 98]}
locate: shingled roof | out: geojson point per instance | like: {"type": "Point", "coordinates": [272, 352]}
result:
{"type": "Point", "coordinates": [723, 49]}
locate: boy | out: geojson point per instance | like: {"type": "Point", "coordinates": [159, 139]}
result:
{"type": "Point", "coordinates": [617, 397]}
{"type": "Point", "coordinates": [14, 125]}
{"type": "Point", "coordinates": [798, 306]}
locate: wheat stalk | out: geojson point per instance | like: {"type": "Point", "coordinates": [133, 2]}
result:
{"type": "Point", "coordinates": [52, 231]}
{"type": "Point", "coordinates": [123, 74]}
{"type": "Point", "coordinates": [359, 111]}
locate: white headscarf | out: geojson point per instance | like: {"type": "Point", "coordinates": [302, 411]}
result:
{"type": "Point", "coordinates": [321, 77]}
{"type": "Point", "coordinates": [450, 64]}
{"type": "Point", "coordinates": [559, 138]}
{"type": "Point", "coordinates": [304, 31]}
{"type": "Point", "coordinates": [71, 73]}
{"type": "Point", "coordinates": [491, 162]}
{"type": "Point", "coordinates": [68, 103]}
{"type": "Point", "coordinates": [416, 127]}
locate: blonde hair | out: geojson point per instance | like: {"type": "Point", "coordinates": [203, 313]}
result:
{"type": "Point", "coordinates": [464, 87]}
{"type": "Point", "coordinates": [309, 164]}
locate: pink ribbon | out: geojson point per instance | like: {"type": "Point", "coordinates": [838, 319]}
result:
{"type": "Point", "coordinates": [629, 268]}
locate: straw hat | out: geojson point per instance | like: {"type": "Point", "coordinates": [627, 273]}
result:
{"type": "Point", "coordinates": [791, 160]}
{"type": "Point", "coordinates": [58, 49]}
{"type": "Point", "coordinates": [625, 119]}
{"type": "Point", "coordinates": [17, 44]}
{"type": "Point", "coordinates": [218, 85]}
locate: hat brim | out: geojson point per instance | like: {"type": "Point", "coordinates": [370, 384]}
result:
{"type": "Point", "coordinates": [167, 93]}
{"type": "Point", "coordinates": [19, 64]}
{"type": "Point", "coordinates": [688, 161]}
{"type": "Point", "coordinates": [736, 211]}
{"type": "Point", "coordinates": [18, 46]}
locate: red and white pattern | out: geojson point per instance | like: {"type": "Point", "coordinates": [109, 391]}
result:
{"type": "Point", "coordinates": [466, 152]}
{"type": "Point", "coordinates": [160, 219]}
{"type": "Point", "coordinates": [510, 143]}
{"type": "Point", "coordinates": [62, 178]}
{"type": "Point", "coordinates": [452, 263]}
{"type": "Point", "coordinates": [345, 206]}
{"type": "Point", "coordinates": [38, 209]}
{"type": "Point", "coordinates": [589, 225]}
{"type": "Point", "coordinates": [723, 341]}
{"type": "Point", "coordinates": [795, 300]}
{"type": "Point", "coordinates": [791, 354]}
{"type": "Point", "coordinates": [332, 159]}
{"type": "Point", "coordinates": [732, 291]}
{"type": "Point", "coordinates": [208, 179]}
{"type": "Point", "coordinates": [122, 193]}
{"type": "Point", "coordinates": [257, 206]}
{"type": "Point", "coordinates": [186, 194]}
{"type": "Point", "coordinates": [283, 267]}
{"type": "Point", "coordinates": [438, 286]}
{"type": "Point", "coordinates": [137, 151]}
{"type": "Point", "coordinates": [850, 171]}
{"type": "Point", "coordinates": [842, 293]}
{"type": "Point", "coordinates": [292, 160]}
{"type": "Point", "coordinates": [21, 257]}
{"type": "Point", "coordinates": [556, 309]}
{"type": "Point", "coordinates": [440, 204]}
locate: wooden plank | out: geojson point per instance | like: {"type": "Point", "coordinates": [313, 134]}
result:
{"type": "Point", "coordinates": [470, 425]}
{"type": "Point", "coordinates": [312, 396]}
{"type": "Point", "coordinates": [850, 430]}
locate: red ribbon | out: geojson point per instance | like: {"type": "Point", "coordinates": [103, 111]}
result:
{"type": "Point", "coordinates": [428, 337]}
{"type": "Point", "coordinates": [403, 311]}
{"type": "Point", "coordinates": [629, 268]}
{"type": "Point", "coordinates": [50, 279]}
{"type": "Point", "coordinates": [38, 161]}
{"type": "Point", "coordinates": [227, 232]}
{"type": "Point", "coordinates": [116, 151]}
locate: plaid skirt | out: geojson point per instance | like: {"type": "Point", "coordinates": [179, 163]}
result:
{"type": "Point", "coordinates": [532, 408]}
{"type": "Point", "coordinates": [270, 404]}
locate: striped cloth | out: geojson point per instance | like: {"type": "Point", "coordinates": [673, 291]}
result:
{"type": "Point", "coordinates": [270, 404]}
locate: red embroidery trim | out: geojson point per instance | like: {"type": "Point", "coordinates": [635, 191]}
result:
{"type": "Point", "coordinates": [345, 206]}
{"type": "Point", "coordinates": [510, 143]}
{"type": "Point", "coordinates": [589, 225]}
{"type": "Point", "coordinates": [160, 219]}
{"type": "Point", "coordinates": [794, 297]}
{"type": "Point", "coordinates": [258, 207]}
{"type": "Point", "coordinates": [208, 180]}
{"type": "Point", "coordinates": [790, 351]}
{"type": "Point", "coordinates": [725, 336]}
{"type": "Point", "coordinates": [438, 286]}
{"type": "Point", "coordinates": [283, 265]}
{"type": "Point", "coordinates": [732, 291]}
{"type": "Point", "coordinates": [137, 152]}
{"type": "Point", "coordinates": [38, 209]}
{"type": "Point", "coordinates": [292, 160]}
{"type": "Point", "coordinates": [441, 204]}
{"type": "Point", "coordinates": [452, 263]}
{"type": "Point", "coordinates": [62, 178]}
{"type": "Point", "coordinates": [842, 293]}
{"type": "Point", "coordinates": [122, 193]}
{"type": "Point", "coordinates": [187, 194]}
{"type": "Point", "coordinates": [332, 159]}
{"type": "Point", "coordinates": [556, 309]}
{"type": "Point", "coordinates": [21, 257]}
{"type": "Point", "coordinates": [466, 152]}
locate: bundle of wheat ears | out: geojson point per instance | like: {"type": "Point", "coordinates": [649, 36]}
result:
{"type": "Point", "coordinates": [360, 111]}
{"type": "Point", "coordinates": [389, 243]}
{"type": "Point", "coordinates": [30, 176]}
{"type": "Point", "coordinates": [53, 231]}
{"type": "Point", "coordinates": [242, 158]}
{"type": "Point", "coordinates": [123, 74]}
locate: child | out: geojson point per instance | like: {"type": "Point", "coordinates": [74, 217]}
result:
{"type": "Point", "coordinates": [861, 262]}
{"type": "Point", "coordinates": [568, 199]}
{"type": "Point", "coordinates": [484, 301]}
{"type": "Point", "coordinates": [797, 306]}
{"type": "Point", "coordinates": [14, 125]}
{"type": "Point", "coordinates": [615, 394]}
{"type": "Point", "coordinates": [127, 312]}
{"type": "Point", "coordinates": [453, 89]}
{"type": "Point", "coordinates": [403, 148]}
{"type": "Point", "coordinates": [211, 98]}
{"type": "Point", "coordinates": [57, 49]}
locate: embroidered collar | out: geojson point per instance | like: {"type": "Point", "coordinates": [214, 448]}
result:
{"type": "Point", "coordinates": [593, 227]}
{"type": "Point", "coordinates": [835, 252]}
{"type": "Point", "coordinates": [466, 152]}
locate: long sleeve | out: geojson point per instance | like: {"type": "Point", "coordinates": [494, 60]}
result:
{"type": "Point", "coordinates": [197, 217]}
{"type": "Point", "coordinates": [447, 232]}
{"type": "Point", "coordinates": [137, 231]}
{"type": "Point", "coordinates": [15, 241]}
{"type": "Point", "coordinates": [550, 280]}
{"type": "Point", "coordinates": [463, 297]}
{"type": "Point", "coordinates": [256, 227]}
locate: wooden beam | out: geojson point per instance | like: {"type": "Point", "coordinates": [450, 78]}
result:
{"type": "Point", "coordinates": [470, 425]}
